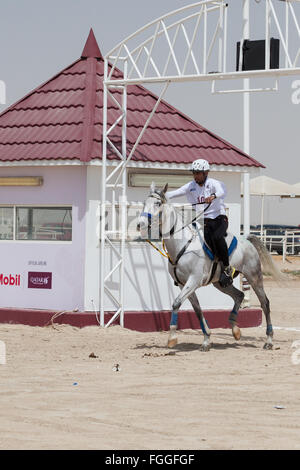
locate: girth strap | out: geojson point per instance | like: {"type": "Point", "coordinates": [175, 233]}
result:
{"type": "Point", "coordinates": [213, 271]}
{"type": "Point", "coordinates": [181, 252]}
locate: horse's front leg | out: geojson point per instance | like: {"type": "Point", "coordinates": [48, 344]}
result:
{"type": "Point", "coordinates": [189, 287]}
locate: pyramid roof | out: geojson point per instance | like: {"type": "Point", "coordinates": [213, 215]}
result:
{"type": "Point", "coordinates": [62, 120]}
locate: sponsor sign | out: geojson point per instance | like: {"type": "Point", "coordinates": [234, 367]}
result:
{"type": "Point", "coordinates": [39, 280]}
{"type": "Point", "coordinates": [10, 279]}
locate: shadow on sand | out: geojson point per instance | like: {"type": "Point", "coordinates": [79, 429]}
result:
{"type": "Point", "coordinates": [186, 347]}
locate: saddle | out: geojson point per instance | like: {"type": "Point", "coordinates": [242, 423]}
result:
{"type": "Point", "coordinates": [231, 241]}
{"type": "Point", "coordinates": [231, 244]}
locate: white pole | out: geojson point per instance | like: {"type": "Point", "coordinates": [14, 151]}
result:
{"type": "Point", "coordinates": [225, 39]}
{"type": "Point", "coordinates": [205, 41]}
{"type": "Point", "coordinates": [221, 38]}
{"type": "Point", "coordinates": [246, 112]}
{"type": "Point", "coordinates": [246, 98]}
{"type": "Point", "coordinates": [103, 198]}
{"type": "Point", "coordinates": [267, 44]}
{"type": "Point", "coordinates": [124, 200]}
{"type": "Point", "coordinates": [284, 248]}
{"type": "Point", "coordinates": [287, 31]}
{"type": "Point", "coordinates": [262, 216]}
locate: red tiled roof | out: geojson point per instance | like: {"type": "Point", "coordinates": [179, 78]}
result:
{"type": "Point", "coordinates": [62, 119]}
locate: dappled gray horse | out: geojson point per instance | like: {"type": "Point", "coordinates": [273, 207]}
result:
{"type": "Point", "coordinates": [191, 268]}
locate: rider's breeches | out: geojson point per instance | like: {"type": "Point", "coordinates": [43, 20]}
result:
{"type": "Point", "coordinates": [215, 231]}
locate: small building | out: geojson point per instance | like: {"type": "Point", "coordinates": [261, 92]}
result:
{"type": "Point", "coordinates": [50, 187]}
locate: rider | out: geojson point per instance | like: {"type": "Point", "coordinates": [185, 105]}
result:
{"type": "Point", "coordinates": [203, 189]}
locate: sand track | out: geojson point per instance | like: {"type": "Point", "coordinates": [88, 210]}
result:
{"type": "Point", "coordinates": [54, 396]}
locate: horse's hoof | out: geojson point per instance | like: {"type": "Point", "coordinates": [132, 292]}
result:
{"type": "Point", "coordinates": [172, 342]}
{"type": "Point", "coordinates": [236, 332]}
{"type": "Point", "coordinates": [268, 346]}
{"type": "Point", "coordinates": [205, 347]}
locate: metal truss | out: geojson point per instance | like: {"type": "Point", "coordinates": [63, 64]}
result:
{"type": "Point", "coordinates": [188, 44]}
{"type": "Point", "coordinates": [191, 44]}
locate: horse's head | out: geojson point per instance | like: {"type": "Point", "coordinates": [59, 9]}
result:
{"type": "Point", "coordinates": [149, 223]}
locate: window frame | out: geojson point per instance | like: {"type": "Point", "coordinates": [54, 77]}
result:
{"type": "Point", "coordinates": [38, 206]}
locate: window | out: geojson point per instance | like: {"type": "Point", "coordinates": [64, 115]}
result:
{"type": "Point", "coordinates": [36, 223]}
{"type": "Point", "coordinates": [6, 223]}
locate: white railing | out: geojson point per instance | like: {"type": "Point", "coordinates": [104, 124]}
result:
{"type": "Point", "coordinates": [291, 243]}
{"type": "Point", "coordinates": [285, 244]}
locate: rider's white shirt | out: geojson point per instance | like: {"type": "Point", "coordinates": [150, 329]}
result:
{"type": "Point", "coordinates": [196, 194]}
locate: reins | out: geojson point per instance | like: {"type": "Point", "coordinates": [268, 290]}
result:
{"type": "Point", "coordinates": [195, 218]}
{"type": "Point", "coordinates": [165, 254]}
{"type": "Point", "coordinates": [172, 231]}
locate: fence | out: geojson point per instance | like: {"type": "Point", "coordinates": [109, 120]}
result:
{"type": "Point", "coordinates": [285, 243]}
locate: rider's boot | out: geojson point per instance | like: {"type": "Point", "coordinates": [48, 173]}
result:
{"type": "Point", "coordinates": [226, 277]}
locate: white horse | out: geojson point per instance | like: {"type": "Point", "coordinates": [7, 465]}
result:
{"type": "Point", "coordinates": [191, 268]}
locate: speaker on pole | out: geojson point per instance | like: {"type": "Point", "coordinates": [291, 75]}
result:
{"type": "Point", "coordinates": [253, 55]}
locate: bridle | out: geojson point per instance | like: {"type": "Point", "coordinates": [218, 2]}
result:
{"type": "Point", "coordinates": [149, 216]}
{"type": "Point", "coordinates": [172, 231]}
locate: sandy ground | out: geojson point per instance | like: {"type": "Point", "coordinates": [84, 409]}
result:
{"type": "Point", "coordinates": [54, 396]}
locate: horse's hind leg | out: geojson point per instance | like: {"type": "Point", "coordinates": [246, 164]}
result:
{"type": "Point", "coordinates": [238, 297]}
{"type": "Point", "coordinates": [204, 327]}
{"type": "Point", "coordinates": [256, 283]}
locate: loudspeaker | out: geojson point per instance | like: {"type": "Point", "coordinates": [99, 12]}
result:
{"type": "Point", "coordinates": [254, 55]}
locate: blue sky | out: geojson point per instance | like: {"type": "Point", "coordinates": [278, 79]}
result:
{"type": "Point", "coordinates": [39, 38]}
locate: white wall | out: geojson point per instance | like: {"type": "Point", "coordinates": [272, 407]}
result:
{"type": "Point", "coordinates": [65, 260]}
{"type": "Point", "coordinates": [92, 237]}
{"type": "Point", "coordinates": [75, 266]}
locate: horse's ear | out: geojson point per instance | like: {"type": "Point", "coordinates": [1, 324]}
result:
{"type": "Point", "coordinates": [152, 187]}
{"type": "Point", "coordinates": [165, 188]}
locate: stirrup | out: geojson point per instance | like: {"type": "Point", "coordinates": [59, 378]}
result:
{"type": "Point", "coordinates": [226, 277]}
{"type": "Point", "coordinates": [229, 271]}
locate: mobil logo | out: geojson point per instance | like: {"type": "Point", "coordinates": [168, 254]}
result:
{"type": "Point", "coordinates": [10, 279]}
{"type": "Point", "coordinates": [39, 280]}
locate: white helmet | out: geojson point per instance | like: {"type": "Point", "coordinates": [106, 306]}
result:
{"type": "Point", "coordinates": [200, 165]}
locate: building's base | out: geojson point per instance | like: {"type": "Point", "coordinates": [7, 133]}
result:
{"type": "Point", "coordinates": [139, 321]}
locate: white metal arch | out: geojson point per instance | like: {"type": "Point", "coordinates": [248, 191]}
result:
{"type": "Point", "coordinates": [188, 44]}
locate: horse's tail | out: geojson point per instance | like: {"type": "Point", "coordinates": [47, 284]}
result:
{"type": "Point", "coordinates": [266, 259]}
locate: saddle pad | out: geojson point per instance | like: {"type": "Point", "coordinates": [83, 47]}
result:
{"type": "Point", "coordinates": [231, 248]}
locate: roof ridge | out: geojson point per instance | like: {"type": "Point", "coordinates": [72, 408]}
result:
{"type": "Point", "coordinates": [88, 127]}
